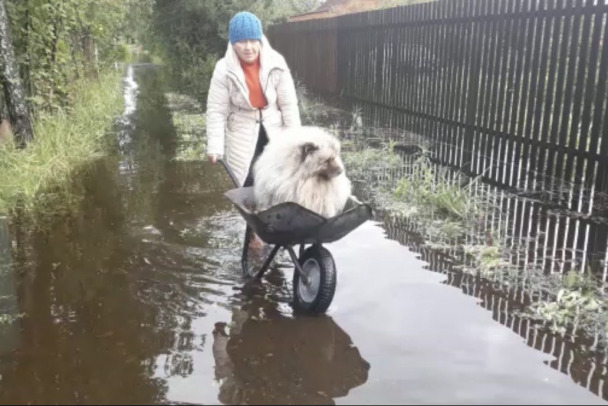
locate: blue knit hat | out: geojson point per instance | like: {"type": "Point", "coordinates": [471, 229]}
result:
{"type": "Point", "coordinates": [244, 25]}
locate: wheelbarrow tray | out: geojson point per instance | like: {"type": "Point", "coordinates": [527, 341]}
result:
{"type": "Point", "coordinates": [291, 224]}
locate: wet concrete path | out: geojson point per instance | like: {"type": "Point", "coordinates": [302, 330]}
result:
{"type": "Point", "coordinates": [140, 299]}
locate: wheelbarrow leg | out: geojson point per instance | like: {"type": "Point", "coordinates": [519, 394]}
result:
{"type": "Point", "coordinates": [299, 269]}
{"type": "Point", "coordinates": [245, 258]}
{"type": "Point", "coordinates": [268, 260]}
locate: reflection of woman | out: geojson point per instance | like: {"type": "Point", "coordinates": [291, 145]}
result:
{"type": "Point", "coordinates": [308, 360]}
{"type": "Point", "coordinates": [251, 93]}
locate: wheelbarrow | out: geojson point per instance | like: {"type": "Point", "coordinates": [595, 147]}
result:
{"type": "Point", "coordinates": [287, 225]}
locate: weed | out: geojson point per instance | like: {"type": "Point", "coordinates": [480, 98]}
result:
{"type": "Point", "coordinates": [38, 177]}
{"type": "Point", "coordinates": [460, 216]}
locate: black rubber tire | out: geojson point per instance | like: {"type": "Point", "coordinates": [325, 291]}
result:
{"type": "Point", "coordinates": [327, 283]}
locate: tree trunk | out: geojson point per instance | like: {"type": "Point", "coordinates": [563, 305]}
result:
{"type": "Point", "coordinates": [18, 113]}
{"type": "Point", "coordinates": [88, 45]}
{"type": "Point", "coordinates": [52, 61]}
{"type": "Point", "coordinates": [26, 67]}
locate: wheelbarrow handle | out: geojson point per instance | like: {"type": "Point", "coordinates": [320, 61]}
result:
{"type": "Point", "coordinates": [229, 171]}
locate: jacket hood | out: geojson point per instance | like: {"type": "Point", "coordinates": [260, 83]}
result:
{"type": "Point", "coordinates": [269, 59]}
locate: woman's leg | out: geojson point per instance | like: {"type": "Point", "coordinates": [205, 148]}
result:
{"type": "Point", "coordinates": [256, 242]}
{"type": "Point", "coordinates": [259, 148]}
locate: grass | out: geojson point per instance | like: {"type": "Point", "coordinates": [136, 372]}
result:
{"type": "Point", "coordinates": [454, 214]}
{"type": "Point", "coordinates": [460, 216]}
{"type": "Point", "coordinates": [368, 164]}
{"type": "Point", "coordinates": [573, 302]}
{"type": "Point", "coordinates": [564, 303]}
{"type": "Point", "coordinates": [39, 176]}
{"type": "Point", "coordinates": [439, 191]}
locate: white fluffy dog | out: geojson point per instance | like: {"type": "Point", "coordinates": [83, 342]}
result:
{"type": "Point", "coordinates": [302, 165]}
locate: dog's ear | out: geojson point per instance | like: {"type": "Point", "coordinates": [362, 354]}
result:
{"type": "Point", "coordinates": [308, 148]}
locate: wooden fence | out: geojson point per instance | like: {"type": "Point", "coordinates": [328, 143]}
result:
{"type": "Point", "coordinates": [513, 90]}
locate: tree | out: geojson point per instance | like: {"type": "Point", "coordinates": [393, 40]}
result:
{"type": "Point", "coordinates": [11, 82]}
{"type": "Point", "coordinates": [192, 34]}
{"type": "Point", "coordinates": [304, 6]}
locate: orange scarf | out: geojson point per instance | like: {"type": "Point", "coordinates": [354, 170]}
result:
{"type": "Point", "coordinates": [252, 78]}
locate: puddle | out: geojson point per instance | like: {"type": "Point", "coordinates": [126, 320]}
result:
{"type": "Point", "coordinates": [139, 298]}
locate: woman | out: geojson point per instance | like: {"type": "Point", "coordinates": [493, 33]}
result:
{"type": "Point", "coordinates": [251, 94]}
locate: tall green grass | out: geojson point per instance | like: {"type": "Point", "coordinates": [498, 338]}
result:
{"type": "Point", "coordinates": [440, 191]}
{"type": "Point", "coordinates": [39, 176]}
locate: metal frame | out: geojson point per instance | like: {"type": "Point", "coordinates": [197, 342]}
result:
{"type": "Point", "coordinates": [270, 257]}
{"type": "Point", "coordinates": [275, 249]}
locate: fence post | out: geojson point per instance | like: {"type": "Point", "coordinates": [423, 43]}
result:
{"type": "Point", "coordinates": [599, 239]}
{"type": "Point", "coordinates": [341, 62]}
{"type": "Point", "coordinates": [471, 109]}
{"type": "Point", "coordinates": [377, 96]}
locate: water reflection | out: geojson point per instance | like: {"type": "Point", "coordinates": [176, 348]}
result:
{"type": "Point", "coordinates": [87, 337]}
{"type": "Point", "coordinates": [139, 298]}
{"type": "Point", "coordinates": [575, 358]}
{"type": "Point", "coordinates": [121, 297]}
{"type": "Point", "coordinates": [266, 356]}
{"type": "Point", "coordinates": [82, 322]}
{"type": "Point", "coordinates": [8, 294]}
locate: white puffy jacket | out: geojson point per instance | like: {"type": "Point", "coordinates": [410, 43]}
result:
{"type": "Point", "coordinates": [232, 123]}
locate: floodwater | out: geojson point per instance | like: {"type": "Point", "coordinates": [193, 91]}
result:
{"type": "Point", "coordinates": [140, 299]}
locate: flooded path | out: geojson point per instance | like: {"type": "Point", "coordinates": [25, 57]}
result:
{"type": "Point", "coordinates": [140, 299]}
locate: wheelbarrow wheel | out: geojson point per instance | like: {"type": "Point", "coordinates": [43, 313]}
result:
{"type": "Point", "coordinates": [315, 295]}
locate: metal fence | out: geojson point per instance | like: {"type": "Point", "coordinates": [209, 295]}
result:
{"type": "Point", "coordinates": [513, 90]}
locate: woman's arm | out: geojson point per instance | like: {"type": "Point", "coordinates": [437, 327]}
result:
{"type": "Point", "coordinates": [287, 100]}
{"type": "Point", "coordinates": [218, 108]}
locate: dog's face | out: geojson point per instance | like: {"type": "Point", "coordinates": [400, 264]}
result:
{"type": "Point", "coordinates": [322, 158]}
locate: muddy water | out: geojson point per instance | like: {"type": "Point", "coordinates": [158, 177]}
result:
{"type": "Point", "coordinates": [139, 299]}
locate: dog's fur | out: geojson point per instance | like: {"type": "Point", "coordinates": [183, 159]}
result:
{"type": "Point", "coordinates": [302, 165]}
